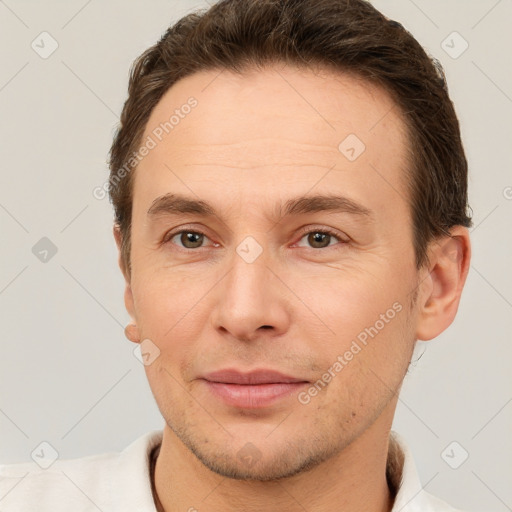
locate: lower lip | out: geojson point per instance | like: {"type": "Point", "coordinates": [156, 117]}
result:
{"type": "Point", "coordinates": [253, 396]}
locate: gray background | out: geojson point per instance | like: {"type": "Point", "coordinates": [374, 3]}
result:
{"type": "Point", "coordinates": [67, 374]}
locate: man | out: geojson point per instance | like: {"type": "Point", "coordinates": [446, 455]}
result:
{"type": "Point", "coordinates": [290, 191]}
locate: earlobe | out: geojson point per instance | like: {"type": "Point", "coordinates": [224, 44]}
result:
{"type": "Point", "coordinates": [449, 265]}
{"type": "Point", "coordinates": [132, 333]}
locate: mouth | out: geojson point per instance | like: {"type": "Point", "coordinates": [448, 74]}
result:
{"type": "Point", "coordinates": [252, 390]}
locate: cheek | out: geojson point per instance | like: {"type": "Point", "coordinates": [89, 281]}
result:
{"type": "Point", "coordinates": [174, 312]}
{"type": "Point", "coordinates": [361, 373]}
{"type": "Point", "coordinates": [164, 300]}
{"type": "Point", "coordinates": [348, 301]}
{"type": "Point", "coordinates": [369, 340]}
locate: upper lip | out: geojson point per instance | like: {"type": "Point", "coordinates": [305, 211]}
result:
{"type": "Point", "coordinates": [260, 376]}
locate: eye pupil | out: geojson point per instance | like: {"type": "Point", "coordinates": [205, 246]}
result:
{"type": "Point", "coordinates": [191, 240]}
{"type": "Point", "coordinates": [319, 240]}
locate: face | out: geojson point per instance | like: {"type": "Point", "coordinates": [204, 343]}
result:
{"type": "Point", "coordinates": [272, 266]}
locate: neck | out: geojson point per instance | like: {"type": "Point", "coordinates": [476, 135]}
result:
{"type": "Point", "coordinates": [354, 480]}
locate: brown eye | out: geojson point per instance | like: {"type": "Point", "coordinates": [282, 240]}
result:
{"type": "Point", "coordinates": [191, 240]}
{"type": "Point", "coordinates": [318, 239]}
{"type": "Point", "coordinates": [321, 239]}
{"type": "Point", "coordinates": [188, 239]}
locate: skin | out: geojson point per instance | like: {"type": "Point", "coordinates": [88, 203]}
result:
{"type": "Point", "coordinates": [254, 141]}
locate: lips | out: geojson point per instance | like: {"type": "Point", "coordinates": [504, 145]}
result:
{"type": "Point", "coordinates": [254, 377]}
{"type": "Point", "coordinates": [252, 390]}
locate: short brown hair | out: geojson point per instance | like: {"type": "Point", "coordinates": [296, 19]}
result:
{"type": "Point", "coordinates": [346, 35]}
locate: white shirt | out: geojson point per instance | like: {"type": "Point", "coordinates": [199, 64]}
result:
{"type": "Point", "coordinates": [120, 482]}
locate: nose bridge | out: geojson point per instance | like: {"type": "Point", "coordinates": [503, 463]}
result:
{"type": "Point", "coordinates": [246, 288]}
{"type": "Point", "coordinates": [249, 297]}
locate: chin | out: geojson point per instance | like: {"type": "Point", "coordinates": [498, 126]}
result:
{"type": "Point", "coordinates": [286, 464]}
{"type": "Point", "coordinates": [258, 458]}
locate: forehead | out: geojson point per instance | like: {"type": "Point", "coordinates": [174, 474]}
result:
{"type": "Point", "coordinates": [271, 129]}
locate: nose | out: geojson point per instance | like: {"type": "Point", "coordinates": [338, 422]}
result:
{"type": "Point", "coordinates": [251, 301]}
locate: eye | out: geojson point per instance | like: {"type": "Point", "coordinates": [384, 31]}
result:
{"type": "Point", "coordinates": [187, 239]}
{"type": "Point", "coordinates": [320, 238]}
{"type": "Point", "coordinates": [314, 238]}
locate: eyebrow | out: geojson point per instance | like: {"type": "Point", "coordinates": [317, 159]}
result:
{"type": "Point", "coordinates": [176, 204]}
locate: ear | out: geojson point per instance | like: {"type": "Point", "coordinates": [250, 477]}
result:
{"type": "Point", "coordinates": [441, 289]}
{"type": "Point", "coordinates": [128, 295]}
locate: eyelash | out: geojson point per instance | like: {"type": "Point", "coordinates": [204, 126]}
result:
{"type": "Point", "coordinates": [326, 231]}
